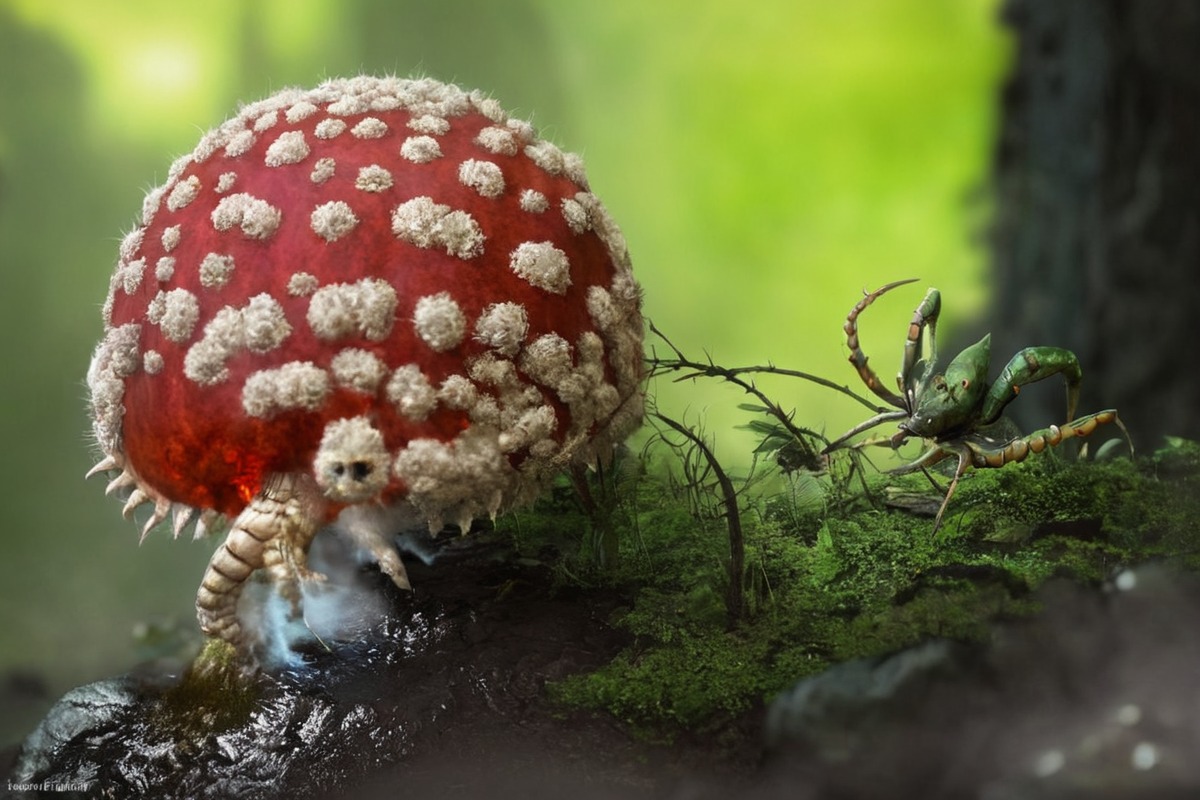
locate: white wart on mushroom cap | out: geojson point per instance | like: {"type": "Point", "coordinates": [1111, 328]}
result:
{"type": "Point", "coordinates": [383, 264]}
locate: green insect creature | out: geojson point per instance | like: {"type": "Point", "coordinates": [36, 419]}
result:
{"type": "Point", "coordinates": [953, 408]}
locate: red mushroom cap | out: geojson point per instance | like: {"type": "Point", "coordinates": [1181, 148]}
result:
{"type": "Point", "coordinates": [384, 276]}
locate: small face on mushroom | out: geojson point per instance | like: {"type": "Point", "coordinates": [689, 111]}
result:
{"type": "Point", "coordinates": [376, 293]}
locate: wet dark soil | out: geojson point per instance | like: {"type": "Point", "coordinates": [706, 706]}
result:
{"type": "Point", "coordinates": [445, 698]}
{"type": "Point", "coordinates": [502, 632]}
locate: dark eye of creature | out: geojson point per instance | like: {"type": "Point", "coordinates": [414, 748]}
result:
{"type": "Point", "coordinates": [359, 470]}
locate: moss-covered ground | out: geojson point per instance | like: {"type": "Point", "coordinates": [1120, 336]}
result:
{"type": "Point", "coordinates": [834, 570]}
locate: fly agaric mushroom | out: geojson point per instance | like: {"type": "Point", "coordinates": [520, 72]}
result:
{"type": "Point", "coordinates": [374, 295]}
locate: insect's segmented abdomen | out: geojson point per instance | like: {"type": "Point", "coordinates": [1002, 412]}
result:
{"type": "Point", "coordinates": [279, 518]}
{"type": "Point", "coordinates": [1036, 442]}
{"type": "Point", "coordinates": [231, 565]}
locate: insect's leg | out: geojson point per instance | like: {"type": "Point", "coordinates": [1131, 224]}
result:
{"type": "Point", "coordinates": [878, 419]}
{"type": "Point", "coordinates": [1028, 366]}
{"type": "Point", "coordinates": [964, 461]}
{"type": "Point", "coordinates": [933, 455]}
{"type": "Point", "coordinates": [933, 482]}
{"type": "Point", "coordinates": [927, 459]}
{"type": "Point", "coordinates": [285, 561]}
{"type": "Point", "coordinates": [858, 358]}
{"type": "Point", "coordinates": [926, 315]}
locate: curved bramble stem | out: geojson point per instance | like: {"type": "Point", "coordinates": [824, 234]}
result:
{"type": "Point", "coordinates": [695, 369]}
{"type": "Point", "coordinates": [711, 370]}
{"type": "Point", "coordinates": [734, 601]}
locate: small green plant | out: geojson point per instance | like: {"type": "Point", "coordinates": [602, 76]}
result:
{"type": "Point", "coordinates": [736, 586]}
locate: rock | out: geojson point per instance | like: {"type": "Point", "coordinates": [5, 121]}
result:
{"type": "Point", "coordinates": [835, 711]}
{"type": "Point", "coordinates": [93, 712]}
{"type": "Point", "coordinates": [1095, 698]}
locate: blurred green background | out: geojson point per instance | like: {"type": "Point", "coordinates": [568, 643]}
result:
{"type": "Point", "coordinates": [767, 162]}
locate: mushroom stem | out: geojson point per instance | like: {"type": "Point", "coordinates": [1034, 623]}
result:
{"type": "Point", "coordinates": [273, 532]}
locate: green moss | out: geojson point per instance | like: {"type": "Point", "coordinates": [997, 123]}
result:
{"type": "Point", "coordinates": [825, 586]}
{"type": "Point", "coordinates": [684, 682]}
{"type": "Point", "coordinates": [217, 693]}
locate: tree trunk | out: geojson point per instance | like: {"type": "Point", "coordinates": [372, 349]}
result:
{"type": "Point", "coordinates": [1097, 235]}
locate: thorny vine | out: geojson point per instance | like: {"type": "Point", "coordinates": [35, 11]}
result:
{"type": "Point", "coordinates": [795, 449]}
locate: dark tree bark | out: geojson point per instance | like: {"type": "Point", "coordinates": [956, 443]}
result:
{"type": "Point", "coordinates": [1097, 235]}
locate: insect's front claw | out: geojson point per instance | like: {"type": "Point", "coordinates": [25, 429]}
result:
{"type": "Point", "coordinates": [306, 575]}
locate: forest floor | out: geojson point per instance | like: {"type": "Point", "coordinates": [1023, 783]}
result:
{"type": "Point", "coordinates": [1036, 648]}
{"type": "Point", "coordinates": [445, 698]}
